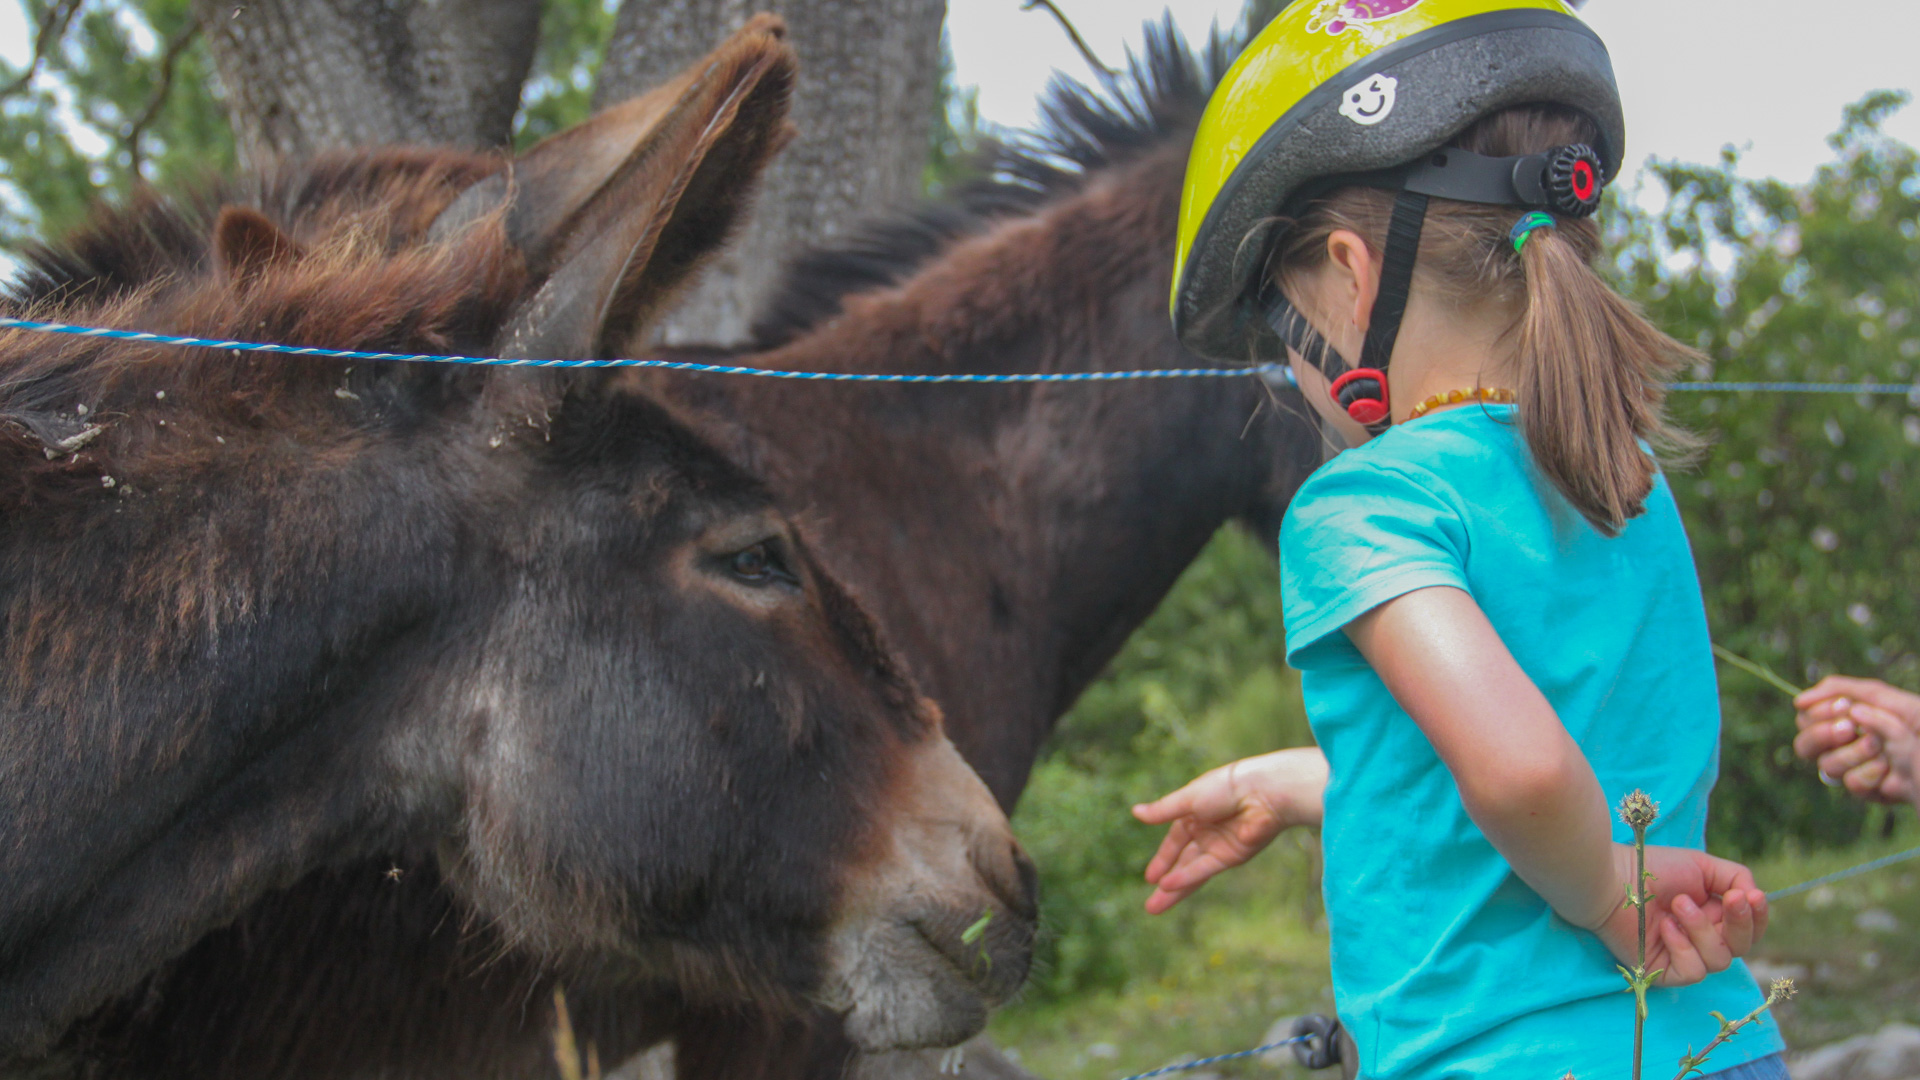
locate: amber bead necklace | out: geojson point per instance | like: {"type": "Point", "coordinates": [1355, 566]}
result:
{"type": "Point", "coordinates": [1491, 395]}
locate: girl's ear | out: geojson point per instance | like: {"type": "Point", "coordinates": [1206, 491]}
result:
{"type": "Point", "coordinates": [1356, 272]}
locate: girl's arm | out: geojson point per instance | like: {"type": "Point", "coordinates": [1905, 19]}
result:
{"type": "Point", "coordinates": [1529, 787]}
{"type": "Point", "coordinates": [1228, 815]}
{"type": "Point", "coordinates": [1523, 779]}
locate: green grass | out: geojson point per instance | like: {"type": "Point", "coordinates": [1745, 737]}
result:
{"type": "Point", "coordinates": [1852, 979]}
{"type": "Point", "coordinates": [1258, 953]}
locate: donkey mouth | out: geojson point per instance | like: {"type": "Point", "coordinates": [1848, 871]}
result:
{"type": "Point", "coordinates": [994, 966]}
{"type": "Point", "coordinates": [939, 929]}
{"type": "Point", "coordinates": [924, 980]}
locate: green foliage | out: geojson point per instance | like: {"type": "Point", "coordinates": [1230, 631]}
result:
{"type": "Point", "coordinates": [1201, 683]}
{"type": "Point", "coordinates": [105, 111]}
{"type": "Point", "coordinates": [67, 138]}
{"type": "Point", "coordinates": [559, 90]}
{"type": "Point", "coordinates": [957, 132]}
{"type": "Point", "coordinates": [1803, 513]}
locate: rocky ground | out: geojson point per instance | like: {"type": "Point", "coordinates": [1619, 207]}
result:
{"type": "Point", "coordinates": [1892, 1053]}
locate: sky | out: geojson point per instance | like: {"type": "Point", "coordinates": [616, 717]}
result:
{"type": "Point", "coordinates": [1769, 76]}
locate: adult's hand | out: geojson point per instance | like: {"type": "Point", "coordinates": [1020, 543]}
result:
{"type": "Point", "coordinates": [1846, 750]}
{"type": "Point", "coordinates": [1902, 739]}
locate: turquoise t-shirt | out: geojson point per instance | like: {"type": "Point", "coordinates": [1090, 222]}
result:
{"type": "Point", "coordinates": [1445, 964]}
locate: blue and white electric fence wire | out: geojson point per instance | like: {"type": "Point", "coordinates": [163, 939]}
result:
{"type": "Point", "coordinates": [1279, 370]}
{"type": "Point", "coordinates": [1203, 1062]}
{"type": "Point", "coordinates": [1873, 389]}
{"type": "Point", "coordinates": [664, 365]}
{"type": "Point", "coordinates": [1842, 875]}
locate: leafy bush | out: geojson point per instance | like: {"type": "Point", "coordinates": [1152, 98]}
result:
{"type": "Point", "coordinates": [1202, 683]}
{"type": "Point", "coordinates": [1804, 513]}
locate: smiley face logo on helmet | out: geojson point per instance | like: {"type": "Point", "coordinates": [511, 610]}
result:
{"type": "Point", "coordinates": [1368, 102]}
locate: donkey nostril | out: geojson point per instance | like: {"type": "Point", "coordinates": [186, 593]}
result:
{"type": "Point", "coordinates": [1008, 874]}
{"type": "Point", "coordinates": [1028, 903]}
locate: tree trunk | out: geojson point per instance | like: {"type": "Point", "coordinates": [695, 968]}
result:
{"type": "Point", "coordinates": [864, 109]}
{"type": "Point", "coordinates": [307, 75]}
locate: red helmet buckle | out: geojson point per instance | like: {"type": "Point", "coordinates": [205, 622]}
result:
{"type": "Point", "coordinates": [1362, 392]}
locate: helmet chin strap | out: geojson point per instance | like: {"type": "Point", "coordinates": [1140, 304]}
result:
{"type": "Point", "coordinates": [1361, 392]}
{"type": "Point", "coordinates": [1568, 179]}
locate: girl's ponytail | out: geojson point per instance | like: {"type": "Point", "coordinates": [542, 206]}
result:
{"type": "Point", "coordinates": [1592, 371]}
{"type": "Point", "coordinates": [1592, 376]}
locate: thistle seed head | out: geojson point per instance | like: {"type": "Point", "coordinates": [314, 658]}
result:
{"type": "Point", "coordinates": [1638, 811]}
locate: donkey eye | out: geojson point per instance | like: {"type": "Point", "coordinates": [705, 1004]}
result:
{"type": "Point", "coordinates": [761, 564]}
{"type": "Point", "coordinates": [752, 563]}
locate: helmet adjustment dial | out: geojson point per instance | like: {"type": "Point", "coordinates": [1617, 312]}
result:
{"type": "Point", "coordinates": [1575, 178]}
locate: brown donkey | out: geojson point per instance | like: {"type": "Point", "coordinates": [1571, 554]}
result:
{"type": "Point", "coordinates": [1008, 539]}
{"type": "Point", "coordinates": [344, 708]}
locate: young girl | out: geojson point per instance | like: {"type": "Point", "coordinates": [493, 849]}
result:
{"type": "Point", "coordinates": [1490, 598]}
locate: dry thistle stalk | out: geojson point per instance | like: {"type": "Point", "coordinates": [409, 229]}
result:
{"type": "Point", "coordinates": [1639, 811]}
{"type": "Point", "coordinates": [1690, 1062]}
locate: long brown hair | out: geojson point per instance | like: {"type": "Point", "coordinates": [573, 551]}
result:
{"type": "Point", "coordinates": [1592, 371]}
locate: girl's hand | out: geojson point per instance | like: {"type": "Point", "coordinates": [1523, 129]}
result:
{"type": "Point", "coordinates": [1702, 914]}
{"type": "Point", "coordinates": [1847, 748]}
{"type": "Point", "coordinates": [1226, 817]}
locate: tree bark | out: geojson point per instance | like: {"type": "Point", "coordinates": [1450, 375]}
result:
{"type": "Point", "coordinates": [869, 73]}
{"type": "Point", "coordinates": [307, 75]}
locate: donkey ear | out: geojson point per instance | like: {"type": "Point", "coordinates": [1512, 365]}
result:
{"type": "Point", "coordinates": [616, 213]}
{"type": "Point", "coordinates": [246, 243]}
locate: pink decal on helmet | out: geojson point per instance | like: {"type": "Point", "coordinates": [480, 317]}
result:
{"type": "Point", "coordinates": [1336, 16]}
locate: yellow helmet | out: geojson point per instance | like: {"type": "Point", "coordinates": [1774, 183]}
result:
{"type": "Point", "coordinates": [1337, 91]}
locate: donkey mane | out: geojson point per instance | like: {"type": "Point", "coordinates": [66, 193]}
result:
{"type": "Point", "coordinates": [127, 247]}
{"type": "Point", "coordinates": [1084, 129]}
{"type": "Point", "coordinates": [360, 283]}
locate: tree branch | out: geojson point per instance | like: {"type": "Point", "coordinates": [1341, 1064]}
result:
{"type": "Point", "coordinates": [53, 26]}
{"type": "Point", "coordinates": [1086, 53]}
{"type": "Point", "coordinates": [130, 139]}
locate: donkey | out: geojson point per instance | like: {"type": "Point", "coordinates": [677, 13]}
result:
{"type": "Point", "coordinates": [515, 647]}
{"type": "Point", "coordinates": [1009, 538]}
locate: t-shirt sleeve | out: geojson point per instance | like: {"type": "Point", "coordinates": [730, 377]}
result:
{"type": "Point", "coordinates": [1355, 538]}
